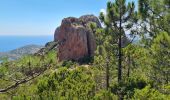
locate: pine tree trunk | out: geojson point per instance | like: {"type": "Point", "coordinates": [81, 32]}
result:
{"type": "Point", "coordinates": [120, 62]}
{"type": "Point", "coordinates": [120, 52]}
{"type": "Point", "coordinates": [107, 74]}
{"type": "Point", "coordinates": [129, 66]}
{"type": "Point", "coordinates": [120, 96]}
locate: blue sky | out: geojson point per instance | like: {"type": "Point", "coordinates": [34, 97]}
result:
{"type": "Point", "coordinates": [41, 17]}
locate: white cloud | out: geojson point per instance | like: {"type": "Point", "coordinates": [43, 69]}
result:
{"type": "Point", "coordinates": [103, 10]}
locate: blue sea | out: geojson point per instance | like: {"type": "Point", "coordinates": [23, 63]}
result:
{"type": "Point", "coordinates": [8, 43]}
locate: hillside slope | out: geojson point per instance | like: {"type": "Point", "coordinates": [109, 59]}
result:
{"type": "Point", "coordinates": [17, 53]}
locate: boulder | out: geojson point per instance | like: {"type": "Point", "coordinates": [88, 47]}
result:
{"type": "Point", "coordinates": [75, 39]}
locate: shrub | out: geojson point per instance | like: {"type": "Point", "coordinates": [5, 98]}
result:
{"type": "Point", "coordinates": [68, 64]}
{"type": "Point", "coordinates": [127, 87]}
{"type": "Point", "coordinates": [105, 95]}
{"type": "Point", "coordinates": [149, 94]}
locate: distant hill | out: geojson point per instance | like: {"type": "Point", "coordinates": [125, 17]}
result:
{"type": "Point", "coordinates": [17, 53]}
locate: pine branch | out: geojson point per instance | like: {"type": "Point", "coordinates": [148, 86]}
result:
{"type": "Point", "coordinates": [129, 15]}
{"type": "Point", "coordinates": [130, 42]}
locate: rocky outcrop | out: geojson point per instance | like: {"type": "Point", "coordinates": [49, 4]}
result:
{"type": "Point", "coordinates": [75, 39]}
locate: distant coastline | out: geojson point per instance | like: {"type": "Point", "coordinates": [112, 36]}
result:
{"type": "Point", "coordinates": [8, 43]}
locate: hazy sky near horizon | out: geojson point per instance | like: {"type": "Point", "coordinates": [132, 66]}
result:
{"type": "Point", "coordinates": [41, 17]}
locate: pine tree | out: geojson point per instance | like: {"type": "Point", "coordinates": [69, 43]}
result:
{"type": "Point", "coordinates": [154, 16]}
{"type": "Point", "coordinates": [118, 19]}
{"type": "Point", "coordinates": [160, 63]}
{"type": "Point", "coordinates": [104, 55]}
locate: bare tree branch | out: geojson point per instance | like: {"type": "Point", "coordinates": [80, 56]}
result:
{"type": "Point", "coordinates": [15, 85]}
{"type": "Point", "coordinates": [25, 80]}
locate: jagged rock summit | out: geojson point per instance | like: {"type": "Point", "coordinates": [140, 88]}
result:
{"type": "Point", "coordinates": [75, 38]}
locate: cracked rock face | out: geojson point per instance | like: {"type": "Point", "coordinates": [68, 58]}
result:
{"type": "Point", "coordinates": [75, 39]}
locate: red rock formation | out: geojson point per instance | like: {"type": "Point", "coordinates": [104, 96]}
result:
{"type": "Point", "coordinates": [75, 39]}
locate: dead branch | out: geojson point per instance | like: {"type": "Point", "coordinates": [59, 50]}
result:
{"type": "Point", "coordinates": [25, 80]}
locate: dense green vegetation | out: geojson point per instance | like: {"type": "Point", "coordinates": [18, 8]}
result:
{"type": "Point", "coordinates": [120, 68]}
